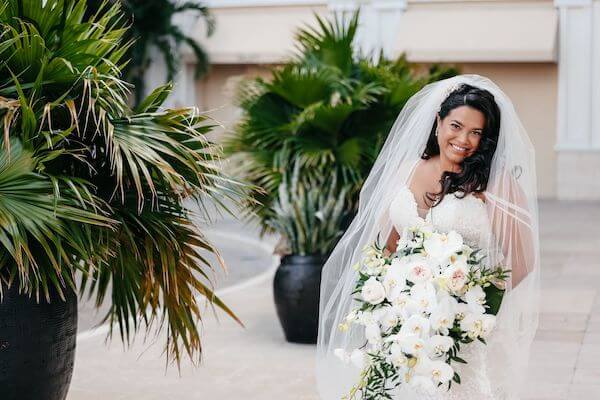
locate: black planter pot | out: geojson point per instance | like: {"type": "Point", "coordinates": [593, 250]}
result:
{"type": "Point", "coordinates": [37, 346]}
{"type": "Point", "coordinates": [296, 290]}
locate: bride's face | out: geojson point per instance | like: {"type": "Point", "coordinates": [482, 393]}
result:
{"type": "Point", "coordinates": [459, 133]}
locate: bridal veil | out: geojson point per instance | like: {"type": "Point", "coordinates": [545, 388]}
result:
{"type": "Point", "coordinates": [511, 201]}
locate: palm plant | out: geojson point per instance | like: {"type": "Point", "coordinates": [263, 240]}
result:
{"type": "Point", "coordinates": [309, 211]}
{"type": "Point", "coordinates": [329, 107]}
{"type": "Point", "coordinates": [152, 24]}
{"type": "Point", "coordinates": [88, 184]}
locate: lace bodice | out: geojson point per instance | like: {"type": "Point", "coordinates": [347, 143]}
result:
{"type": "Point", "coordinates": [467, 216]}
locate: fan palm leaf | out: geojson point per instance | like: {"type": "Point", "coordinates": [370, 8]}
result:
{"type": "Point", "coordinates": [106, 182]}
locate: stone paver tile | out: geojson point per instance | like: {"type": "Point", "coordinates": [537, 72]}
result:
{"type": "Point", "coordinates": [589, 356]}
{"type": "Point", "coordinates": [593, 327]}
{"type": "Point", "coordinates": [546, 391]}
{"type": "Point", "coordinates": [555, 321]}
{"type": "Point", "coordinates": [587, 375]}
{"type": "Point", "coordinates": [537, 375]}
{"type": "Point", "coordinates": [584, 392]}
{"type": "Point", "coordinates": [591, 338]}
{"type": "Point", "coordinates": [554, 353]}
{"type": "Point", "coordinates": [559, 336]}
{"type": "Point", "coordinates": [568, 301]}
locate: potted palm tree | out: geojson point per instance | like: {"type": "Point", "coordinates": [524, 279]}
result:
{"type": "Point", "coordinates": [91, 187]}
{"type": "Point", "coordinates": [308, 213]}
{"type": "Point", "coordinates": [329, 107]}
{"type": "Point", "coordinates": [328, 111]}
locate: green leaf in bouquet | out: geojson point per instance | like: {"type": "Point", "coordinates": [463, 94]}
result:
{"type": "Point", "coordinates": [493, 295]}
{"type": "Point", "coordinates": [456, 378]}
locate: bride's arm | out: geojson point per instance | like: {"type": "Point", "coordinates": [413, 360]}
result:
{"type": "Point", "coordinates": [392, 242]}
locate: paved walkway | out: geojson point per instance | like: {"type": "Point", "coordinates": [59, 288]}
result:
{"type": "Point", "coordinates": [255, 362]}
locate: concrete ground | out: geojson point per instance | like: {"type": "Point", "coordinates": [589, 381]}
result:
{"type": "Point", "coordinates": [256, 362]}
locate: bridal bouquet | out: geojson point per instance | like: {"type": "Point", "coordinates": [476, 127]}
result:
{"type": "Point", "coordinates": [417, 307]}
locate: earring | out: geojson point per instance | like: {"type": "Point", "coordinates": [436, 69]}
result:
{"type": "Point", "coordinates": [436, 132]}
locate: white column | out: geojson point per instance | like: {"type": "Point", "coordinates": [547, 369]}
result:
{"type": "Point", "coordinates": [378, 22]}
{"type": "Point", "coordinates": [183, 94]}
{"type": "Point", "coordinates": [578, 119]}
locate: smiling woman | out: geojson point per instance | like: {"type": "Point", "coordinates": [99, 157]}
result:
{"type": "Point", "coordinates": [462, 141]}
{"type": "Point", "coordinates": [472, 153]}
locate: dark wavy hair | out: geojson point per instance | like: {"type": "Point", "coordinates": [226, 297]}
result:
{"type": "Point", "coordinates": [475, 169]}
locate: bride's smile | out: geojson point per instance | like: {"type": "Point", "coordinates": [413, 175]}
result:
{"type": "Point", "coordinates": [459, 134]}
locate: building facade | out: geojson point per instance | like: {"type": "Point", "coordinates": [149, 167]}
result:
{"type": "Point", "coordinates": [544, 54]}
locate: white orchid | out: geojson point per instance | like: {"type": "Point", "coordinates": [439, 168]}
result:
{"type": "Point", "coordinates": [397, 356]}
{"type": "Point", "coordinates": [442, 320]}
{"type": "Point", "coordinates": [373, 291]}
{"type": "Point", "coordinates": [411, 344]}
{"type": "Point", "coordinates": [394, 280]}
{"type": "Point", "coordinates": [461, 310]}
{"type": "Point", "coordinates": [373, 333]}
{"type": "Point", "coordinates": [424, 296]}
{"type": "Point", "coordinates": [439, 371]}
{"type": "Point", "coordinates": [438, 345]}
{"type": "Point", "coordinates": [477, 325]}
{"type": "Point", "coordinates": [441, 246]}
{"type": "Point", "coordinates": [389, 318]}
{"type": "Point", "coordinates": [415, 325]}
{"type": "Point", "coordinates": [475, 298]}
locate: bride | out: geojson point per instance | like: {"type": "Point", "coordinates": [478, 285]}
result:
{"type": "Point", "coordinates": [457, 158]}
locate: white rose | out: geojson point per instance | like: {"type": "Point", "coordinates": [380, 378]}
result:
{"type": "Point", "coordinates": [373, 291]}
{"type": "Point", "coordinates": [456, 277]}
{"type": "Point", "coordinates": [419, 268]}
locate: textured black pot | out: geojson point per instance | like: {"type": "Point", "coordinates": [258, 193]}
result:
{"type": "Point", "coordinates": [37, 346]}
{"type": "Point", "coordinates": [296, 290]}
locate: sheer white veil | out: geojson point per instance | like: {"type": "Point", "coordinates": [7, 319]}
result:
{"type": "Point", "coordinates": [511, 199]}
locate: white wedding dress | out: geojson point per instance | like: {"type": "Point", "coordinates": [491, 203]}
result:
{"type": "Point", "coordinates": [467, 216]}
